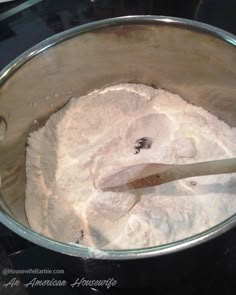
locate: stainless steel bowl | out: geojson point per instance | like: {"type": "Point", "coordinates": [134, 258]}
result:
{"type": "Point", "coordinates": [192, 59]}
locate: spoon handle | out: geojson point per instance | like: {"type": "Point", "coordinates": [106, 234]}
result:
{"type": "Point", "coordinates": [151, 174]}
{"type": "Point", "coordinates": [168, 173]}
{"type": "Point", "coordinates": [205, 168]}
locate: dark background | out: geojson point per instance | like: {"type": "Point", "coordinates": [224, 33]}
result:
{"type": "Point", "coordinates": [25, 23]}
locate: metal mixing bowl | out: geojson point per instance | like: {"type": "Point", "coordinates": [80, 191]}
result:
{"type": "Point", "coordinates": [192, 59]}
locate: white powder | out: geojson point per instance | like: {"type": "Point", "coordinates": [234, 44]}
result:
{"type": "Point", "coordinates": [93, 136]}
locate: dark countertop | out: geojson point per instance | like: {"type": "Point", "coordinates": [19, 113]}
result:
{"type": "Point", "coordinates": [25, 23]}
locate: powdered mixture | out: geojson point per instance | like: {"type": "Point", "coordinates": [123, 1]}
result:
{"type": "Point", "coordinates": [106, 130]}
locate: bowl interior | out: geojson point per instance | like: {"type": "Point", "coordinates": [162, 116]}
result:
{"type": "Point", "coordinates": [180, 57]}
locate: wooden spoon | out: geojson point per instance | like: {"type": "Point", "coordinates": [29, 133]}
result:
{"type": "Point", "coordinates": [152, 174]}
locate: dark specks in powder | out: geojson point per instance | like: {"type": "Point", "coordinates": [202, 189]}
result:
{"type": "Point", "coordinates": [142, 143]}
{"type": "Point", "coordinates": [193, 183]}
{"type": "Point", "coordinates": [81, 237]}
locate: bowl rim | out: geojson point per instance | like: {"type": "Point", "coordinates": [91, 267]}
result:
{"type": "Point", "coordinates": [119, 254]}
